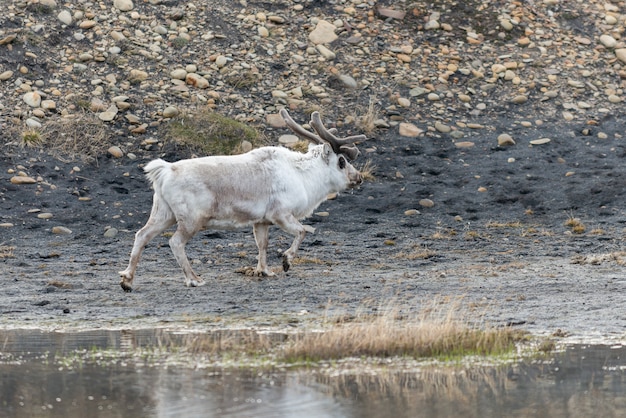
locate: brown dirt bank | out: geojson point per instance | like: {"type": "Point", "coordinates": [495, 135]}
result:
{"type": "Point", "coordinates": [507, 250]}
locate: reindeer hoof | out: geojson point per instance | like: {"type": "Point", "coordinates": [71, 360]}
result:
{"type": "Point", "coordinates": [197, 283]}
{"type": "Point", "coordinates": [286, 264]}
{"type": "Point", "coordinates": [126, 286]}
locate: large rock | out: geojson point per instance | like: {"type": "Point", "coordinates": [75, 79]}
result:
{"type": "Point", "coordinates": [324, 33]}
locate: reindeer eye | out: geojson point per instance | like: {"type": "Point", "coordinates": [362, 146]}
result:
{"type": "Point", "coordinates": [342, 162]}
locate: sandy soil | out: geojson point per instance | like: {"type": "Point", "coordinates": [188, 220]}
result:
{"type": "Point", "coordinates": [505, 251]}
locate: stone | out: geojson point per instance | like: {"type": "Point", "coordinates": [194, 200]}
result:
{"type": "Point", "coordinates": [608, 41]}
{"type": "Point", "coordinates": [221, 61]}
{"type": "Point", "coordinates": [5, 75]}
{"type": "Point", "coordinates": [275, 120]}
{"type": "Point", "coordinates": [324, 33]}
{"type": "Point", "coordinates": [505, 140]}
{"type": "Point", "coordinates": [409, 130]}
{"type": "Point", "coordinates": [32, 98]}
{"type": "Point", "coordinates": [65, 17]}
{"type": "Point", "coordinates": [178, 74]}
{"type": "Point", "coordinates": [22, 180]}
{"type": "Point", "coordinates": [61, 230]}
{"type": "Point", "coordinates": [110, 232]}
{"type": "Point", "coordinates": [197, 80]}
{"type": "Point", "coordinates": [109, 114]}
{"type": "Point", "coordinates": [411, 212]}
{"type": "Point", "coordinates": [348, 81]}
{"type": "Point", "coordinates": [540, 141]}
{"type": "Point", "coordinates": [123, 5]}
{"type": "Point", "coordinates": [170, 112]}
{"type": "Point", "coordinates": [404, 102]}
{"type": "Point", "coordinates": [115, 151]}
{"type": "Point", "coordinates": [432, 25]}
{"type": "Point", "coordinates": [442, 127]}
{"type": "Point", "coordinates": [138, 75]}
{"type": "Point", "coordinates": [325, 52]}
{"type": "Point", "coordinates": [621, 54]}
{"type": "Point", "coordinates": [263, 32]}
{"type": "Point", "coordinates": [426, 203]}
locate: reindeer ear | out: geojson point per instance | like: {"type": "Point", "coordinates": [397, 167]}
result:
{"type": "Point", "coordinates": [326, 152]}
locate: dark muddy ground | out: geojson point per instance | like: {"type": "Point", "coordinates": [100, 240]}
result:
{"type": "Point", "coordinates": [505, 250]}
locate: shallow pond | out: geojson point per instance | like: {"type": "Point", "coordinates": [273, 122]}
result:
{"type": "Point", "coordinates": [36, 380]}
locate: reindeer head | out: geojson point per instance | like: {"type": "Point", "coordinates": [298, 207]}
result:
{"type": "Point", "coordinates": [337, 151]}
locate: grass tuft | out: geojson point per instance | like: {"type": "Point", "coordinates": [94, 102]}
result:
{"type": "Point", "coordinates": [367, 171]}
{"type": "Point", "coordinates": [211, 133]}
{"type": "Point", "coordinates": [6, 251]}
{"type": "Point", "coordinates": [576, 225]}
{"type": "Point", "coordinates": [434, 333]}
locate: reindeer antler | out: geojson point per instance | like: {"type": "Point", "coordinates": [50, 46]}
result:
{"type": "Point", "coordinates": [343, 146]}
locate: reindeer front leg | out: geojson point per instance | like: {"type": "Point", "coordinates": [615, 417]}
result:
{"type": "Point", "coordinates": [291, 225]}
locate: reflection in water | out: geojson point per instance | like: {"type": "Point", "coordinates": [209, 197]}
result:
{"type": "Point", "coordinates": [583, 381]}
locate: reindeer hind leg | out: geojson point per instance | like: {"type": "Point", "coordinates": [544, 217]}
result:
{"type": "Point", "coordinates": [161, 218]}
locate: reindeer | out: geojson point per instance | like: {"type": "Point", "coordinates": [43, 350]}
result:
{"type": "Point", "coordinates": [263, 187]}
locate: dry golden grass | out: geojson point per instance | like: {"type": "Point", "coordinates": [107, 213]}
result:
{"type": "Point", "coordinates": [367, 171]}
{"type": "Point", "coordinates": [494, 224]}
{"type": "Point", "coordinates": [417, 253]}
{"type": "Point", "coordinates": [6, 251]}
{"type": "Point", "coordinates": [365, 121]}
{"type": "Point", "coordinates": [576, 225]}
{"type": "Point", "coordinates": [79, 136]}
{"type": "Point", "coordinates": [436, 331]}
{"type": "Point", "coordinates": [433, 333]}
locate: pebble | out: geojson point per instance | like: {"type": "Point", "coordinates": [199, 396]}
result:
{"type": "Point", "coordinates": [275, 120]}
{"type": "Point", "coordinates": [411, 212]}
{"type": "Point", "coordinates": [32, 98]}
{"type": "Point", "coordinates": [110, 232]}
{"type": "Point", "coordinates": [505, 140]}
{"type": "Point", "coordinates": [608, 41]}
{"type": "Point", "coordinates": [409, 130]}
{"type": "Point", "coordinates": [115, 151]}
{"type": "Point", "coordinates": [324, 33]}
{"type": "Point", "coordinates": [540, 141]}
{"type": "Point", "coordinates": [170, 112]}
{"type": "Point", "coordinates": [22, 180]}
{"type": "Point", "coordinates": [325, 52]}
{"type": "Point", "coordinates": [197, 80]}
{"type": "Point", "coordinates": [404, 102]}
{"type": "Point", "coordinates": [520, 99]}
{"type": "Point", "coordinates": [426, 203]}
{"type": "Point", "coordinates": [178, 74]}
{"type": "Point", "coordinates": [263, 32]}
{"type": "Point", "coordinates": [45, 215]}
{"type": "Point", "coordinates": [621, 54]}
{"type": "Point", "coordinates": [61, 230]}
{"type": "Point", "coordinates": [5, 75]}
{"type": "Point", "coordinates": [123, 5]}
{"type": "Point", "coordinates": [221, 61]}
{"type": "Point", "coordinates": [442, 127]}
{"type": "Point", "coordinates": [348, 81]}
{"type": "Point", "coordinates": [65, 17]}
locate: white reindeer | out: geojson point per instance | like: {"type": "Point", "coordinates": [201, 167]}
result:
{"type": "Point", "coordinates": [263, 187]}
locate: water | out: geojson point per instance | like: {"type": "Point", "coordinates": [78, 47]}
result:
{"type": "Point", "coordinates": [582, 381]}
